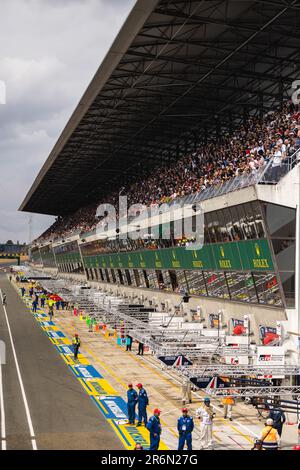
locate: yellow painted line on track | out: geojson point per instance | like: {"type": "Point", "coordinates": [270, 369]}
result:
{"type": "Point", "coordinates": [216, 437]}
{"type": "Point", "coordinates": [238, 431]}
{"type": "Point", "coordinates": [115, 428]}
{"type": "Point", "coordinates": [123, 384]}
{"type": "Point", "coordinates": [129, 436]}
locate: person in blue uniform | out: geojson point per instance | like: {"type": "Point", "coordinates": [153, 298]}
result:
{"type": "Point", "coordinates": [278, 417]}
{"type": "Point", "coordinates": [154, 428]}
{"type": "Point", "coordinates": [143, 402]}
{"type": "Point", "coordinates": [185, 427]}
{"type": "Point", "coordinates": [132, 399]}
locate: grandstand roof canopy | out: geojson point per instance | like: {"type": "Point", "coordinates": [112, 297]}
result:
{"type": "Point", "coordinates": [178, 70]}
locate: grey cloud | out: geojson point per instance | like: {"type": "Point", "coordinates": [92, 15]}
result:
{"type": "Point", "coordinates": [49, 51]}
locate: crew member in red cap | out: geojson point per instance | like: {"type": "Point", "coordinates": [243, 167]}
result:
{"type": "Point", "coordinates": [143, 402]}
{"type": "Point", "coordinates": [185, 426]}
{"type": "Point", "coordinates": [132, 399]}
{"type": "Point", "coordinates": [154, 427]}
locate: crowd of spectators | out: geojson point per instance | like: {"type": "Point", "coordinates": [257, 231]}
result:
{"type": "Point", "coordinates": [247, 150]}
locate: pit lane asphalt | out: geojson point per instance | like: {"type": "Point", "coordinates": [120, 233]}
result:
{"type": "Point", "coordinates": [63, 416]}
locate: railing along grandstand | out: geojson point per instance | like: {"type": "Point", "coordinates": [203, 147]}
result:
{"type": "Point", "coordinates": [262, 176]}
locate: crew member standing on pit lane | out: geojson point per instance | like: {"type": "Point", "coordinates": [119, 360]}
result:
{"type": "Point", "coordinates": [143, 402]}
{"type": "Point", "coordinates": [228, 403]}
{"type": "Point", "coordinates": [23, 290]}
{"type": "Point", "coordinates": [132, 399]}
{"type": "Point", "coordinates": [3, 298]}
{"type": "Point", "coordinates": [154, 427]}
{"type": "Point", "coordinates": [141, 349]}
{"type": "Point", "coordinates": [51, 312]}
{"type": "Point", "coordinates": [129, 343]}
{"type": "Point", "coordinates": [76, 345]}
{"type": "Point", "coordinates": [278, 417]}
{"type": "Point", "coordinates": [34, 305]}
{"type": "Point", "coordinates": [185, 427]}
{"type": "Point", "coordinates": [43, 298]}
{"type": "Point", "coordinates": [206, 414]}
{"type": "Point", "coordinates": [270, 439]}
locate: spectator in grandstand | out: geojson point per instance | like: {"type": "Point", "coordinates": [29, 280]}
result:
{"type": "Point", "coordinates": [276, 163]}
{"type": "Point", "coordinates": [246, 151]}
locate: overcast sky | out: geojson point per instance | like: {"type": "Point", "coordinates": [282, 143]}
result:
{"type": "Point", "coordinates": [49, 52]}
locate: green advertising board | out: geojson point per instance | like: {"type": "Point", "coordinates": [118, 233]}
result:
{"type": "Point", "coordinates": [246, 255]}
{"type": "Point", "coordinates": [68, 258]}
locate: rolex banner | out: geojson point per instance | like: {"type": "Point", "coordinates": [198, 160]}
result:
{"type": "Point", "coordinates": [247, 255]}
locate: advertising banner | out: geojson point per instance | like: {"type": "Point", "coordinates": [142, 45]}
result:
{"type": "Point", "coordinates": [233, 256]}
{"type": "Point", "coordinates": [214, 319]}
{"type": "Point", "coordinates": [176, 361]}
{"type": "Point", "coordinates": [265, 331]}
{"type": "Point", "coordinates": [270, 355]}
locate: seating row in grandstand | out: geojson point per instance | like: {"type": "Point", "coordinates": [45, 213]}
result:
{"type": "Point", "coordinates": [247, 151]}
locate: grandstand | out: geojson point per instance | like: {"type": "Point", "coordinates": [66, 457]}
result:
{"type": "Point", "coordinates": [191, 105]}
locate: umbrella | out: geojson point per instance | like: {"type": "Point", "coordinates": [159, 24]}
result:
{"type": "Point", "coordinates": [55, 297]}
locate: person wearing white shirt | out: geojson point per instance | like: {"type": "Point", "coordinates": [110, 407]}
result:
{"type": "Point", "coordinates": [276, 163]}
{"type": "Point", "coordinates": [206, 414]}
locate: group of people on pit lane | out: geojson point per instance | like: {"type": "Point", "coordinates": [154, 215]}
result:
{"type": "Point", "coordinates": [185, 423]}
{"type": "Point", "coordinates": [270, 436]}
{"type": "Point", "coordinates": [269, 439]}
{"type": "Point", "coordinates": [41, 297]}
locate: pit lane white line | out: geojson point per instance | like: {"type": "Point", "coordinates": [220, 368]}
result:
{"type": "Point", "coordinates": [2, 410]}
{"type": "Point", "coordinates": [28, 416]}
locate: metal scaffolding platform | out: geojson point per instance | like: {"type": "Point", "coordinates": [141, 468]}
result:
{"type": "Point", "coordinates": [239, 370]}
{"type": "Point", "coordinates": [255, 391]}
{"type": "Point", "coordinates": [147, 326]}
